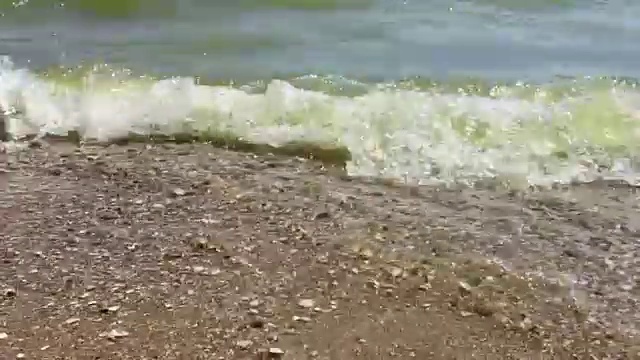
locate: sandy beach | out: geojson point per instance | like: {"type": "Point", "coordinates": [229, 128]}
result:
{"type": "Point", "coordinates": [190, 252]}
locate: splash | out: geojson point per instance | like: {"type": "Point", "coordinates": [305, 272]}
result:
{"type": "Point", "coordinates": [519, 134]}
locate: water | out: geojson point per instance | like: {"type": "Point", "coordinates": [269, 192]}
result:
{"type": "Point", "coordinates": [431, 90]}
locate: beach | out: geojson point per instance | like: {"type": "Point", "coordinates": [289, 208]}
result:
{"type": "Point", "coordinates": [319, 179]}
{"type": "Point", "coordinates": [185, 251]}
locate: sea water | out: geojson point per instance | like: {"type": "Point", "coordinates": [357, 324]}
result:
{"type": "Point", "coordinates": [529, 92]}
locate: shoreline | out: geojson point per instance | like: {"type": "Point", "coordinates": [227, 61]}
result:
{"type": "Point", "coordinates": [210, 251]}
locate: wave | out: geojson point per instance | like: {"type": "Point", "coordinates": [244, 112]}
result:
{"type": "Point", "coordinates": [576, 130]}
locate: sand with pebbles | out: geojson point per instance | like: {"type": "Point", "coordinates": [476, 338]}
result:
{"type": "Point", "coordinates": [190, 252]}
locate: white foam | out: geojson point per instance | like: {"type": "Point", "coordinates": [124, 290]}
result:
{"type": "Point", "coordinates": [419, 135]}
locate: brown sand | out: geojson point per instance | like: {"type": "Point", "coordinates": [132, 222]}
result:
{"type": "Point", "coordinates": [188, 252]}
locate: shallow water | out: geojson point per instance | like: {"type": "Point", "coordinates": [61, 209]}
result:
{"type": "Point", "coordinates": [529, 92]}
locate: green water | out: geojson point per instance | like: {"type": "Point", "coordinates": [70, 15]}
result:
{"type": "Point", "coordinates": [530, 92]}
{"type": "Point", "coordinates": [372, 39]}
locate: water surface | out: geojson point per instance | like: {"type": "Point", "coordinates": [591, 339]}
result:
{"type": "Point", "coordinates": [432, 90]}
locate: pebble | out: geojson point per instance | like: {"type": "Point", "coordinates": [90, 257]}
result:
{"type": "Point", "coordinates": [4, 336]}
{"type": "Point", "coordinates": [626, 287]}
{"type": "Point", "coordinates": [464, 288]}
{"type": "Point", "coordinates": [200, 243]}
{"type": "Point", "coordinates": [465, 313]}
{"type": "Point", "coordinates": [244, 344]}
{"type": "Point", "coordinates": [179, 192]}
{"type": "Point", "coordinates": [271, 353]}
{"type": "Point", "coordinates": [306, 303]}
{"type": "Point", "coordinates": [526, 324]}
{"type": "Point", "coordinates": [71, 321]}
{"type": "Point", "coordinates": [365, 254]}
{"type": "Point", "coordinates": [199, 269]}
{"type": "Point", "coordinates": [395, 271]}
{"type": "Point", "coordinates": [322, 215]}
{"type": "Point", "coordinates": [117, 334]}
{"type": "Point", "coordinates": [112, 309]}
{"type": "Point", "coordinates": [158, 206]}
{"type": "Point", "coordinates": [276, 351]}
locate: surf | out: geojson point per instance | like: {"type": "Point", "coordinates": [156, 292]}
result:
{"type": "Point", "coordinates": [422, 132]}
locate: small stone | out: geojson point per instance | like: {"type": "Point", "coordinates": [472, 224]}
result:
{"type": "Point", "coordinates": [464, 288]}
{"type": "Point", "coordinates": [133, 247]}
{"type": "Point", "coordinates": [570, 253]}
{"type": "Point", "coordinates": [485, 309]}
{"type": "Point", "coordinates": [387, 286]}
{"type": "Point", "coordinates": [626, 287]}
{"type": "Point", "coordinates": [4, 336]}
{"type": "Point", "coordinates": [55, 171]}
{"type": "Point", "coordinates": [244, 344]}
{"type": "Point", "coordinates": [45, 347]}
{"type": "Point", "coordinates": [8, 292]}
{"type": "Point", "coordinates": [365, 254]}
{"type": "Point", "coordinates": [199, 269]}
{"type": "Point", "coordinates": [21, 356]}
{"type": "Point", "coordinates": [271, 353]}
{"type": "Point", "coordinates": [465, 313]}
{"type": "Point", "coordinates": [254, 303]}
{"type": "Point", "coordinates": [526, 324]}
{"type": "Point", "coordinates": [117, 334]}
{"type": "Point", "coordinates": [322, 215]}
{"type": "Point", "coordinates": [171, 255]}
{"type": "Point", "coordinates": [72, 321]}
{"type": "Point", "coordinates": [306, 303]}
{"type": "Point", "coordinates": [36, 144]}
{"type": "Point", "coordinates": [276, 351]}
{"type": "Point", "coordinates": [503, 319]}
{"type": "Point", "coordinates": [158, 206]}
{"type": "Point", "coordinates": [395, 271]}
{"type": "Point", "coordinates": [111, 309]}
{"type": "Point", "coordinates": [373, 283]}
{"type": "Point", "coordinates": [289, 331]}
{"type": "Point", "coordinates": [68, 283]}
{"type": "Point", "coordinates": [179, 192]}
{"type": "Point", "coordinates": [200, 244]}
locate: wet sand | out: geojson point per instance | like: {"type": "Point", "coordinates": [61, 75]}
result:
{"type": "Point", "coordinates": [190, 252]}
